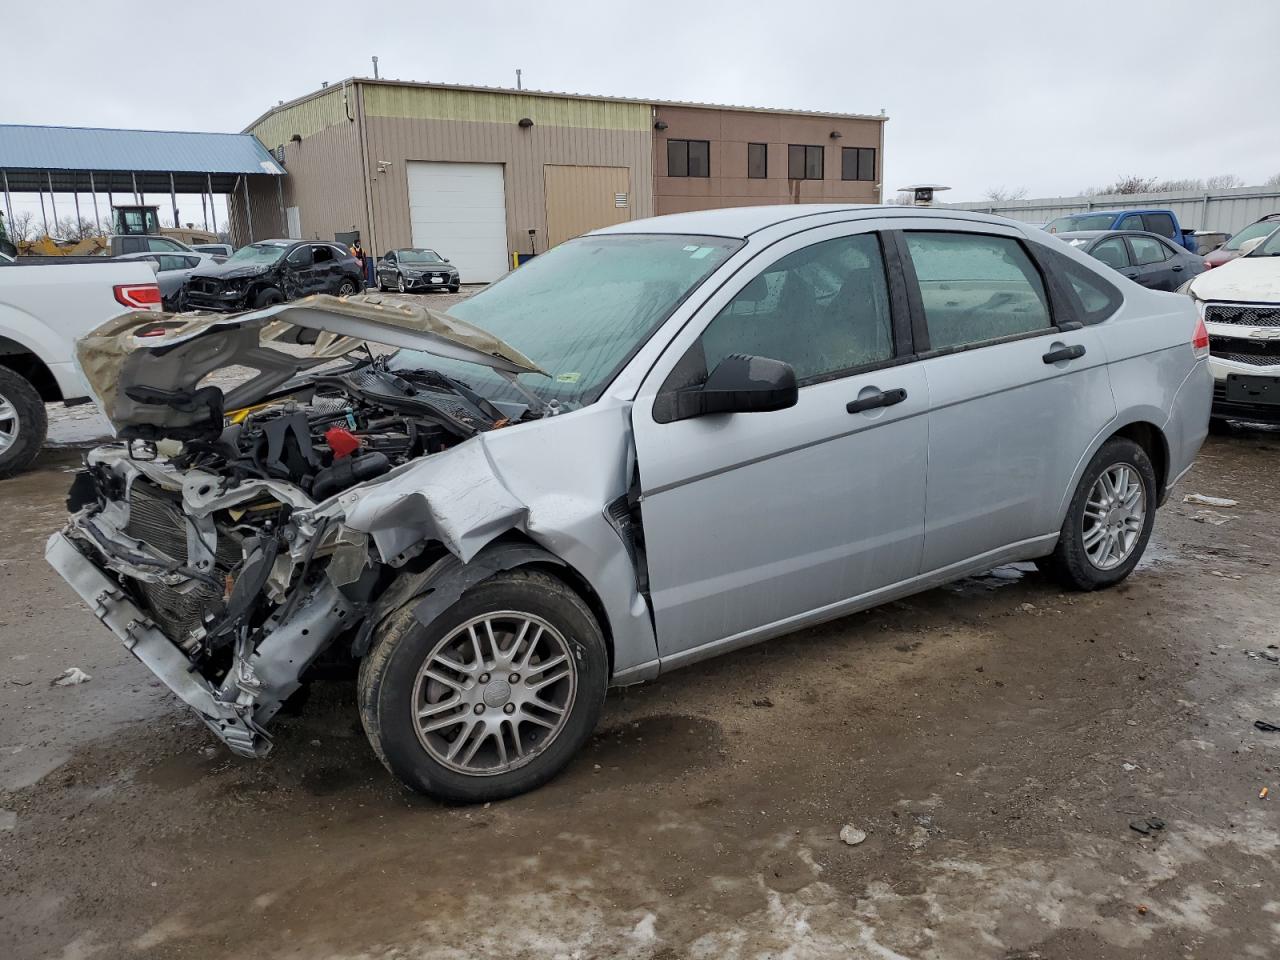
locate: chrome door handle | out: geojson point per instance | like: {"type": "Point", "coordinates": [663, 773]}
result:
{"type": "Point", "coordinates": [885, 398]}
{"type": "Point", "coordinates": [1073, 352]}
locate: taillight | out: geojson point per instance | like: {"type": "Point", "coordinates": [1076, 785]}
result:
{"type": "Point", "coordinates": [1200, 339]}
{"type": "Point", "coordinates": [139, 296]}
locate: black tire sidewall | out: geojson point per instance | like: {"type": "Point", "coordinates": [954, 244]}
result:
{"type": "Point", "coordinates": [389, 672]}
{"type": "Point", "coordinates": [268, 297]}
{"type": "Point", "coordinates": [33, 423]}
{"type": "Point", "coordinates": [1071, 560]}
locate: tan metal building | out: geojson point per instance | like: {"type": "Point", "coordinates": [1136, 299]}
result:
{"type": "Point", "coordinates": [484, 174]}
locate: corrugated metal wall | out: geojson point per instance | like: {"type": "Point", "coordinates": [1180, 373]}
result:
{"type": "Point", "coordinates": [581, 199]}
{"type": "Point", "coordinates": [433, 103]}
{"type": "Point", "coordinates": [306, 118]}
{"type": "Point", "coordinates": [1226, 210]}
{"type": "Point", "coordinates": [523, 154]}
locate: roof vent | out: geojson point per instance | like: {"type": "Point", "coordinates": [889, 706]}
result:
{"type": "Point", "coordinates": [525, 123]}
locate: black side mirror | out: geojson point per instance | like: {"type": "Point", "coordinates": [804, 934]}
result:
{"type": "Point", "coordinates": [740, 384]}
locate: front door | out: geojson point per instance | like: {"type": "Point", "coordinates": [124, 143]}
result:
{"type": "Point", "coordinates": [1014, 401]}
{"type": "Point", "coordinates": [1152, 260]}
{"type": "Point", "coordinates": [756, 522]}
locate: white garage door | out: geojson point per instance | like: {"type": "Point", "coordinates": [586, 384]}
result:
{"type": "Point", "coordinates": [460, 211]}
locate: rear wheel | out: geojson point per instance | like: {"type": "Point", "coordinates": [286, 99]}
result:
{"type": "Point", "coordinates": [23, 423]}
{"type": "Point", "coordinates": [347, 288]}
{"type": "Point", "coordinates": [1110, 518]}
{"type": "Point", "coordinates": [494, 696]}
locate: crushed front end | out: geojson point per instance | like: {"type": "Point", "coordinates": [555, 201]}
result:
{"type": "Point", "coordinates": [214, 538]}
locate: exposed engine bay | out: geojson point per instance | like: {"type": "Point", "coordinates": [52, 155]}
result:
{"type": "Point", "coordinates": [224, 546]}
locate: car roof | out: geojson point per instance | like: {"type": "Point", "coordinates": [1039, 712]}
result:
{"type": "Point", "coordinates": [741, 222]}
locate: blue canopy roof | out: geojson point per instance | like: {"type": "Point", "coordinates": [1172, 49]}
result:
{"type": "Point", "coordinates": [30, 155]}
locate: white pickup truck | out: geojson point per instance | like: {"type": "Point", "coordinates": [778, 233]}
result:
{"type": "Point", "coordinates": [44, 308]}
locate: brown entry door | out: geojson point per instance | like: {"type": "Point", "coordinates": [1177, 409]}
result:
{"type": "Point", "coordinates": [581, 199]}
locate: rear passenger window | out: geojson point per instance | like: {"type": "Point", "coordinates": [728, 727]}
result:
{"type": "Point", "coordinates": [976, 288]}
{"type": "Point", "coordinates": [823, 309]}
{"type": "Point", "coordinates": [1147, 250]}
{"type": "Point", "coordinates": [1158, 223]}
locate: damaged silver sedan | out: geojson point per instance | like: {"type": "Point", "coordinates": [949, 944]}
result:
{"type": "Point", "coordinates": [655, 443]}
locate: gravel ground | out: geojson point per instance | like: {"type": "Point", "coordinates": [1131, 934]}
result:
{"type": "Point", "coordinates": [994, 740]}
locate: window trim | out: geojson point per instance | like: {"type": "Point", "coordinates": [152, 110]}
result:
{"type": "Point", "coordinates": [806, 147]}
{"type": "Point", "coordinates": [765, 174]}
{"type": "Point", "coordinates": [687, 175]}
{"type": "Point", "coordinates": [1073, 307]}
{"type": "Point", "coordinates": [857, 164]}
{"type": "Point", "coordinates": [1061, 316]}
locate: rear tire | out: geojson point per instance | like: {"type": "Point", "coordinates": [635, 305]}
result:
{"type": "Point", "coordinates": [24, 423]}
{"type": "Point", "coordinates": [485, 731]}
{"type": "Point", "coordinates": [1219, 427]}
{"type": "Point", "coordinates": [1099, 516]}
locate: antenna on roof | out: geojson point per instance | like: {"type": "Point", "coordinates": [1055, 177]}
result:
{"type": "Point", "coordinates": [518, 71]}
{"type": "Point", "coordinates": [375, 68]}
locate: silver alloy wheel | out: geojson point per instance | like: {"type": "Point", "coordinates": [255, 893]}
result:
{"type": "Point", "coordinates": [10, 425]}
{"type": "Point", "coordinates": [400, 285]}
{"type": "Point", "coordinates": [1114, 516]}
{"type": "Point", "coordinates": [347, 288]}
{"type": "Point", "coordinates": [494, 693]}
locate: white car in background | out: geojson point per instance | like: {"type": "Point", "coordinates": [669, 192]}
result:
{"type": "Point", "coordinates": [1240, 305]}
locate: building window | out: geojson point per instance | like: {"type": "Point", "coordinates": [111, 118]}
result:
{"type": "Point", "coordinates": [688, 158]}
{"type": "Point", "coordinates": [757, 160]}
{"type": "Point", "coordinates": [858, 163]}
{"type": "Point", "coordinates": [804, 162]}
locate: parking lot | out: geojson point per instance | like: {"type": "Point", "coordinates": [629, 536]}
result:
{"type": "Point", "coordinates": [994, 740]}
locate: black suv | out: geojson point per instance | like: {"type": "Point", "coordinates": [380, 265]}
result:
{"type": "Point", "coordinates": [273, 271]}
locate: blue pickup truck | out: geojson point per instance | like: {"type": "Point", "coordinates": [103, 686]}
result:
{"type": "Point", "coordinates": [1162, 222]}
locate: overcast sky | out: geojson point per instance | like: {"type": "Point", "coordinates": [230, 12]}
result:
{"type": "Point", "coordinates": [1053, 97]}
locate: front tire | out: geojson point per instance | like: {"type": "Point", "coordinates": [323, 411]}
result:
{"type": "Point", "coordinates": [492, 698]}
{"type": "Point", "coordinates": [268, 297]}
{"type": "Point", "coordinates": [23, 423]}
{"type": "Point", "coordinates": [453, 288]}
{"type": "Point", "coordinates": [400, 285]}
{"type": "Point", "coordinates": [1109, 520]}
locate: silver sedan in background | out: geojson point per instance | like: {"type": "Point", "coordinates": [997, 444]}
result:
{"type": "Point", "coordinates": [659, 442]}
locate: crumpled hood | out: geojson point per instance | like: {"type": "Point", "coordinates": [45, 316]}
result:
{"type": "Point", "coordinates": [232, 271]}
{"type": "Point", "coordinates": [174, 353]}
{"type": "Point", "coordinates": [1247, 279]}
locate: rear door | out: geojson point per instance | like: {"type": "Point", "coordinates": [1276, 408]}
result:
{"type": "Point", "coordinates": [754, 520]}
{"type": "Point", "coordinates": [299, 274]}
{"type": "Point", "coordinates": [1152, 262]}
{"type": "Point", "coordinates": [1013, 399]}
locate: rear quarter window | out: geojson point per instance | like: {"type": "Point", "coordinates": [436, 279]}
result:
{"type": "Point", "coordinates": [1093, 298]}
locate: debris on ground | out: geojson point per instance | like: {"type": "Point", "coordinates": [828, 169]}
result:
{"type": "Point", "coordinates": [1262, 794]}
{"type": "Point", "coordinates": [1266, 727]}
{"type": "Point", "coordinates": [1226, 576]}
{"type": "Point", "coordinates": [1212, 516]}
{"type": "Point", "coordinates": [1142, 908]}
{"type": "Point", "coordinates": [852, 835]}
{"type": "Point", "coordinates": [1147, 825]}
{"type": "Point", "coordinates": [1262, 655]}
{"type": "Point", "coordinates": [20, 683]}
{"type": "Point", "coordinates": [70, 677]}
{"type": "Point", "coordinates": [1027, 607]}
{"type": "Point", "coordinates": [762, 702]}
{"type": "Point", "coordinates": [1129, 767]}
{"type": "Point", "coordinates": [1206, 501]}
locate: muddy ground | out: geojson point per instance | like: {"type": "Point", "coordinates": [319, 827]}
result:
{"type": "Point", "coordinates": [994, 740]}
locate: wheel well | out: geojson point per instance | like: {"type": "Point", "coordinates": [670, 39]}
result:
{"type": "Point", "coordinates": [577, 583]}
{"type": "Point", "coordinates": [31, 368]}
{"type": "Point", "coordinates": [1152, 440]}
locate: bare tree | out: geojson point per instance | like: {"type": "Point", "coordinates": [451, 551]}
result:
{"type": "Point", "coordinates": [1272, 181]}
{"type": "Point", "coordinates": [22, 227]}
{"type": "Point", "coordinates": [69, 228]}
{"type": "Point", "coordinates": [1223, 181]}
{"type": "Point", "coordinates": [1173, 186]}
{"type": "Point", "coordinates": [1002, 194]}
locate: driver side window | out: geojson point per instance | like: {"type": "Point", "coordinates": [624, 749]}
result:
{"type": "Point", "coordinates": [823, 309]}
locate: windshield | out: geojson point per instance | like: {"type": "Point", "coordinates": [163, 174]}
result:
{"type": "Point", "coordinates": [1269, 247]}
{"type": "Point", "coordinates": [580, 310]}
{"type": "Point", "coordinates": [1250, 232]}
{"type": "Point", "coordinates": [258, 253]}
{"type": "Point", "coordinates": [418, 255]}
{"type": "Point", "coordinates": [1081, 221]}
